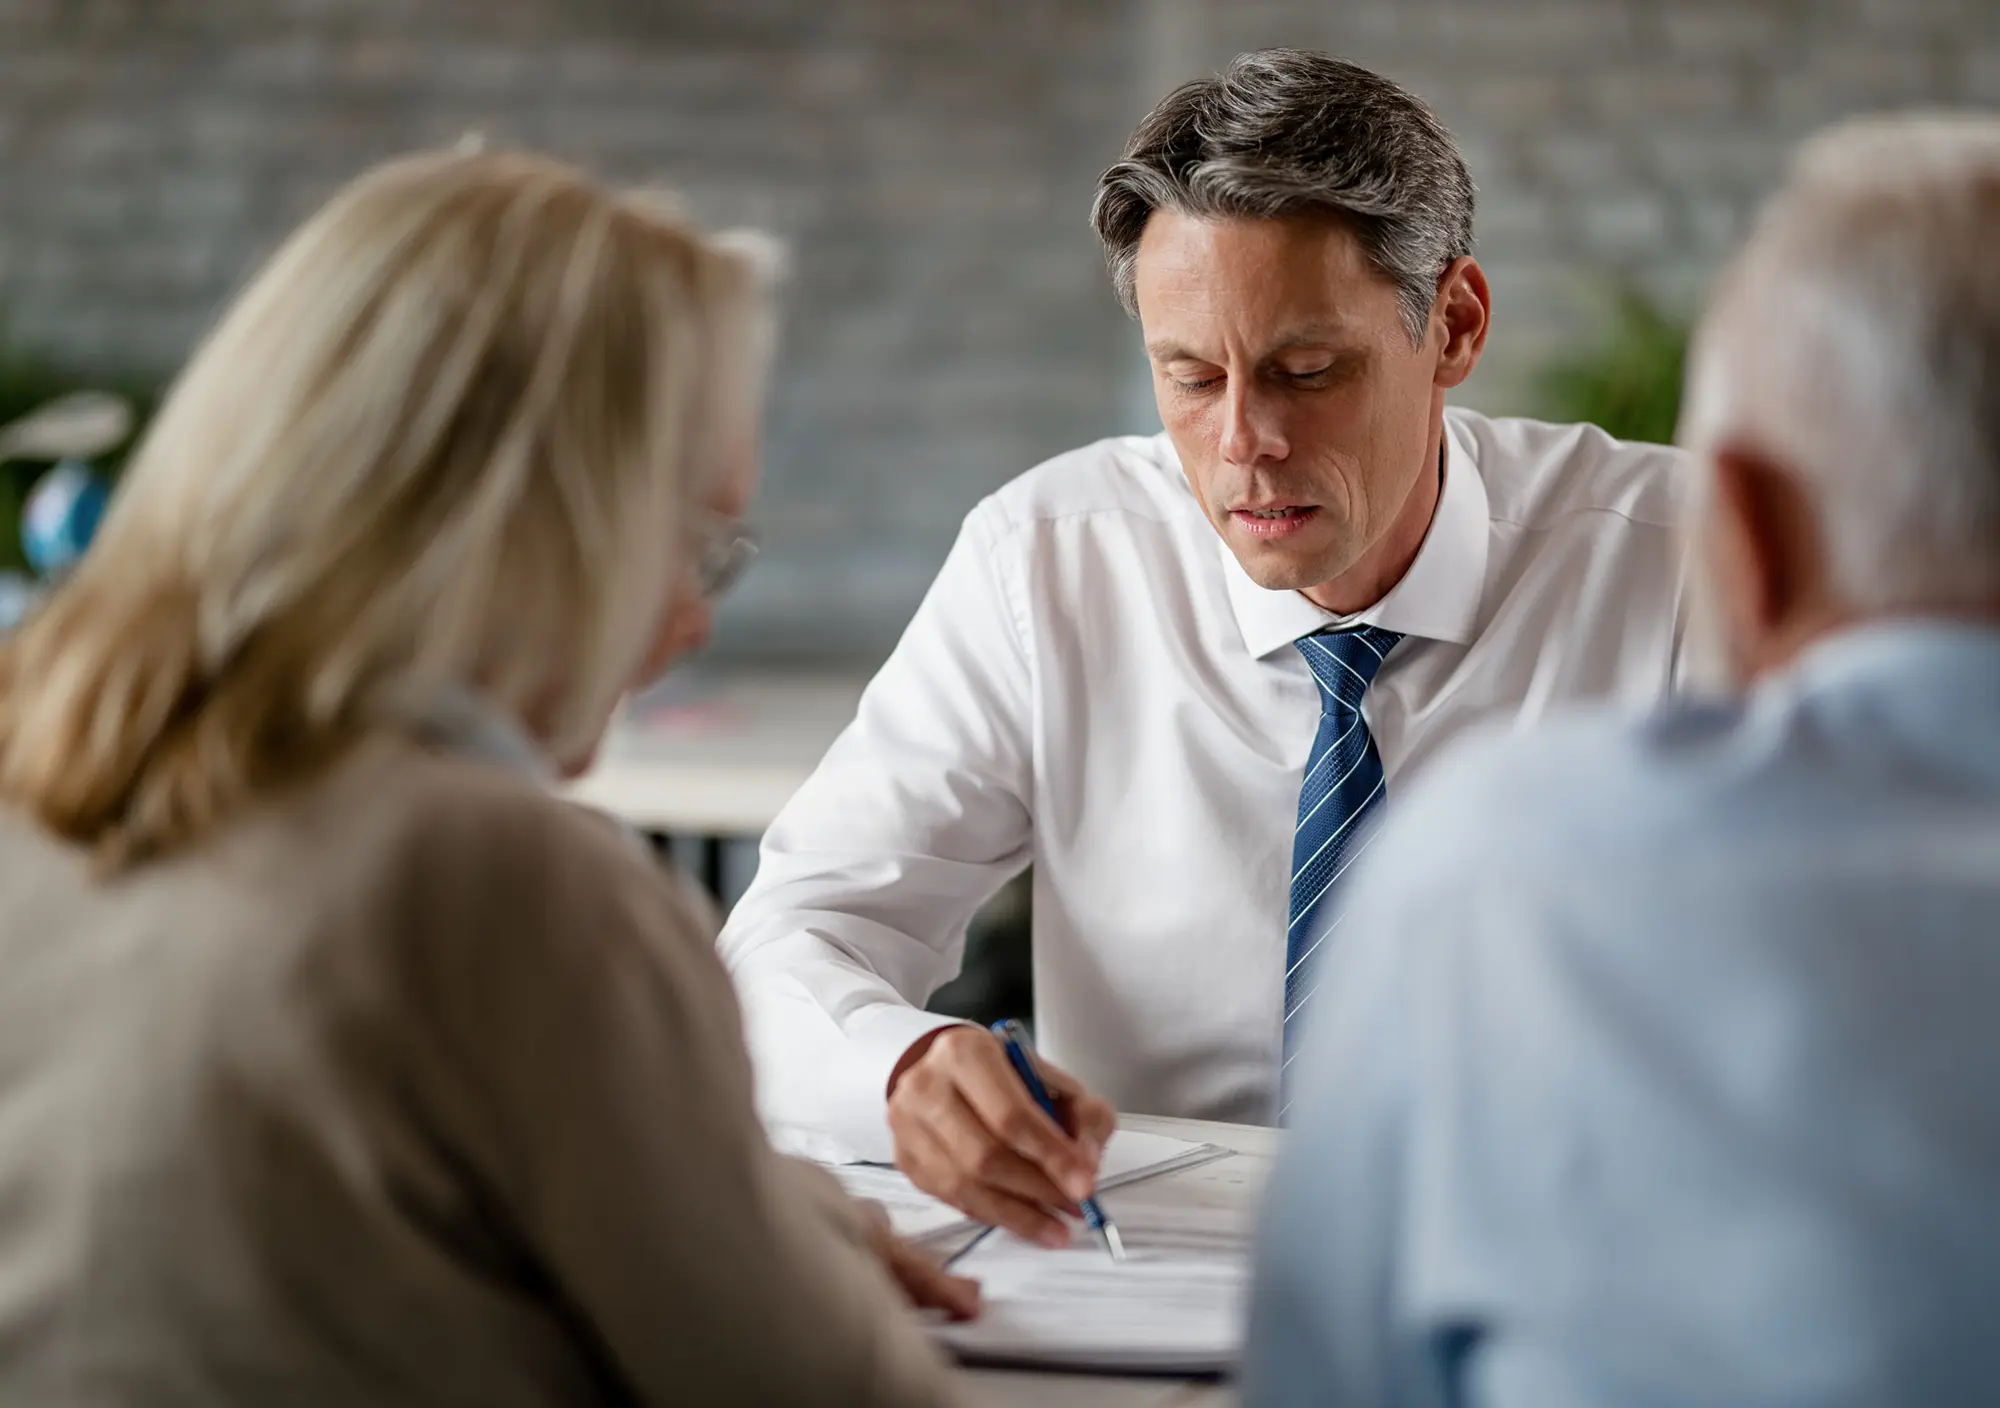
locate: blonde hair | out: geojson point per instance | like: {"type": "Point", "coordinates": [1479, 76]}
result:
{"type": "Point", "coordinates": [449, 435]}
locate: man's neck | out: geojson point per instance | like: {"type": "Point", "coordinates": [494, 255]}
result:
{"type": "Point", "coordinates": [1781, 652]}
{"type": "Point", "coordinates": [1390, 559]}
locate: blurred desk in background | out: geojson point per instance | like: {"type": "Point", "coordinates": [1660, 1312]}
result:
{"type": "Point", "coordinates": [712, 756]}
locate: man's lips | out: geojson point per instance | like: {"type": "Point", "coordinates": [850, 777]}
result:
{"type": "Point", "coordinates": [1275, 522]}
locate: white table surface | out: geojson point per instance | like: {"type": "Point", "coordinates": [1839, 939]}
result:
{"type": "Point", "coordinates": [1235, 1183]}
{"type": "Point", "coordinates": [719, 753]}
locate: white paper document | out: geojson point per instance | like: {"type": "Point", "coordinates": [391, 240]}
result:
{"type": "Point", "coordinates": [1175, 1305]}
{"type": "Point", "coordinates": [1129, 1158]}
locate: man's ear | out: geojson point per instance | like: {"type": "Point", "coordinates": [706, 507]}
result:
{"type": "Point", "coordinates": [1465, 307]}
{"type": "Point", "coordinates": [1771, 561]}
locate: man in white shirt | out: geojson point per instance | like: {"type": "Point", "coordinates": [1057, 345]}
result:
{"type": "Point", "coordinates": [1140, 667]}
{"type": "Point", "coordinates": [1661, 1067]}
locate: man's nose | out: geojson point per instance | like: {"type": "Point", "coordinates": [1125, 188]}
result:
{"type": "Point", "coordinates": [1252, 430]}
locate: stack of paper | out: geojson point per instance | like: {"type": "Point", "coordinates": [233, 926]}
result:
{"type": "Point", "coordinates": [1174, 1306]}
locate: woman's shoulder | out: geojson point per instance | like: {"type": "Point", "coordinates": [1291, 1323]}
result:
{"type": "Point", "coordinates": [477, 799]}
{"type": "Point", "coordinates": [443, 839]}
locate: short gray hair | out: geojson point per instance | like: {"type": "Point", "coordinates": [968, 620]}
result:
{"type": "Point", "coordinates": [1857, 338]}
{"type": "Point", "coordinates": [1288, 132]}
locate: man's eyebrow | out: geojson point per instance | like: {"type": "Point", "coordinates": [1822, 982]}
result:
{"type": "Point", "coordinates": [1336, 337]}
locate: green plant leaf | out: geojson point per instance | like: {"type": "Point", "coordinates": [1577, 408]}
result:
{"type": "Point", "coordinates": [1630, 383]}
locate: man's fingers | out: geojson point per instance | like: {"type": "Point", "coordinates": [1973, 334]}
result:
{"type": "Point", "coordinates": [1095, 1122]}
{"type": "Point", "coordinates": [922, 1156]}
{"type": "Point", "coordinates": [1031, 1222]}
{"type": "Point", "coordinates": [1090, 1120]}
{"type": "Point", "coordinates": [968, 1131]}
{"type": "Point", "coordinates": [974, 1150]}
{"type": "Point", "coordinates": [956, 1146]}
{"type": "Point", "coordinates": [932, 1165]}
{"type": "Point", "coordinates": [996, 1095]}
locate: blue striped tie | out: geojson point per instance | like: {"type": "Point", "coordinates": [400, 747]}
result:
{"type": "Point", "coordinates": [1343, 782]}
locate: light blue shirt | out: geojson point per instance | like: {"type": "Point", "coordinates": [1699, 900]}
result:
{"type": "Point", "coordinates": [1660, 1062]}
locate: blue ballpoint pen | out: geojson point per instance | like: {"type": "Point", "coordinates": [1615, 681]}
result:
{"type": "Point", "coordinates": [1019, 1051]}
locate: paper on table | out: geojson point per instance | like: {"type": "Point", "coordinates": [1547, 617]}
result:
{"type": "Point", "coordinates": [1128, 1158]}
{"type": "Point", "coordinates": [1175, 1305]}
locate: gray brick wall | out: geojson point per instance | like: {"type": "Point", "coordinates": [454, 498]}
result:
{"type": "Point", "coordinates": [1628, 139]}
{"type": "Point", "coordinates": [931, 162]}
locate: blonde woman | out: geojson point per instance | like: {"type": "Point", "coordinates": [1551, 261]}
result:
{"type": "Point", "coordinates": [340, 1062]}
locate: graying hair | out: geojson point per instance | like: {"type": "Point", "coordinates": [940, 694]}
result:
{"type": "Point", "coordinates": [1858, 337]}
{"type": "Point", "coordinates": [1287, 132]}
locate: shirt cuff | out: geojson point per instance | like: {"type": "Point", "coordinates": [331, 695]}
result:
{"type": "Point", "coordinates": [856, 1129]}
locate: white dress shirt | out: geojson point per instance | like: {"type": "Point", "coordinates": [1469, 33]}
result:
{"type": "Point", "coordinates": [1660, 1068]}
{"type": "Point", "coordinates": [1094, 686]}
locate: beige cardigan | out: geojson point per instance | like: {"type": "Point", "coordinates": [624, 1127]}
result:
{"type": "Point", "coordinates": [417, 1086]}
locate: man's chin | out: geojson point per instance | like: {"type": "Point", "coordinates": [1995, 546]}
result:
{"type": "Point", "coordinates": [1284, 569]}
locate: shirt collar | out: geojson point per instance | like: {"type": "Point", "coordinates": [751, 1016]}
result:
{"type": "Point", "coordinates": [461, 721]}
{"type": "Point", "coordinates": [1940, 662]}
{"type": "Point", "coordinates": [1438, 598]}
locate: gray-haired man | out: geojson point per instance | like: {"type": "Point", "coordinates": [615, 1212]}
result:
{"type": "Point", "coordinates": [1176, 672]}
{"type": "Point", "coordinates": [1661, 1067]}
